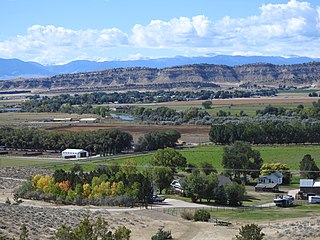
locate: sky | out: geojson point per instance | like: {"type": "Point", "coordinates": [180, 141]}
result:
{"type": "Point", "coordinates": [60, 31]}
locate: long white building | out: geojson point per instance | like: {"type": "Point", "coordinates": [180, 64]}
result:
{"type": "Point", "coordinates": [74, 153]}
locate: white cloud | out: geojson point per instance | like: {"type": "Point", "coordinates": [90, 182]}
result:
{"type": "Point", "coordinates": [50, 44]}
{"type": "Point", "coordinates": [279, 29]}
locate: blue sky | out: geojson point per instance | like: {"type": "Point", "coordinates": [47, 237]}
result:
{"type": "Point", "coordinates": [59, 31]}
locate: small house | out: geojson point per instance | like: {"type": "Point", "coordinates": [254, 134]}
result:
{"type": "Point", "coordinates": [275, 177]}
{"type": "Point", "coordinates": [74, 153]}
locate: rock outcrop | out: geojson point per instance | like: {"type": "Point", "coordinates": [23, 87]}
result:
{"type": "Point", "coordinates": [188, 76]}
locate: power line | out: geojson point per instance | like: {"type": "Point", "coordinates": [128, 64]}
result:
{"type": "Point", "coordinates": [213, 169]}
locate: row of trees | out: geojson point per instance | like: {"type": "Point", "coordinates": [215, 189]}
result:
{"type": "Point", "coordinates": [155, 140]}
{"type": "Point", "coordinates": [68, 103]}
{"type": "Point", "coordinates": [299, 111]}
{"type": "Point", "coordinates": [102, 141]}
{"type": "Point", "coordinates": [165, 114]}
{"type": "Point", "coordinates": [267, 132]}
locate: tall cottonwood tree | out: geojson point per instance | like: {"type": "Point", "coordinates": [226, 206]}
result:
{"type": "Point", "coordinates": [240, 159]}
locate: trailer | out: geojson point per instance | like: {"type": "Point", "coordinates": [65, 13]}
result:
{"type": "Point", "coordinates": [314, 199]}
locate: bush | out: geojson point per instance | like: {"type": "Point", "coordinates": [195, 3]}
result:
{"type": "Point", "coordinates": [24, 189]}
{"type": "Point", "coordinates": [162, 235]}
{"type": "Point", "coordinates": [250, 232]}
{"type": "Point", "coordinates": [202, 215]}
{"type": "Point", "coordinates": [186, 214]}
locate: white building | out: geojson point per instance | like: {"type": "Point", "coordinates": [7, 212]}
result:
{"type": "Point", "coordinates": [89, 120]}
{"type": "Point", "coordinates": [275, 177]}
{"type": "Point", "coordinates": [74, 153]}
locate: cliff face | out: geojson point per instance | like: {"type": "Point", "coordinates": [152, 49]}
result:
{"type": "Point", "coordinates": [198, 75]}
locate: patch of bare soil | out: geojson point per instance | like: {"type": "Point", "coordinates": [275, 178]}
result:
{"type": "Point", "coordinates": [189, 133]}
{"type": "Point", "coordinates": [236, 101]}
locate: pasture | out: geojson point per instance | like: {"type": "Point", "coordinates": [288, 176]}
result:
{"type": "Point", "coordinates": [288, 154]}
{"type": "Point", "coordinates": [9, 161]}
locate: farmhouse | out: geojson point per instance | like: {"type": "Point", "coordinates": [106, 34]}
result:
{"type": "Point", "coordinates": [309, 186]}
{"type": "Point", "coordinates": [74, 153]}
{"type": "Point", "coordinates": [269, 183]}
{"type": "Point", "coordinates": [275, 177]}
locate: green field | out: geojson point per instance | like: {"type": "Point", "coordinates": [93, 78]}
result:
{"type": "Point", "coordinates": [288, 154]}
{"type": "Point", "coordinates": [266, 214]}
{"type": "Point", "coordinates": [24, 161]}
{"type": "Point", "coordinates": [234, 109]}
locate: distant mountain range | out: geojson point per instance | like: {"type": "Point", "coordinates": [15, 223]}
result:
{"type": "Point", "coordinates": [191, 76]}
{"type": "Point", "coordinates": [15, 68]}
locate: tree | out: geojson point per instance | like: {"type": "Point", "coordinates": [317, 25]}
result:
{"type": "Point", "coordinates": [91, 230]}
{"type": "Point", "coordinates": [207, 104]}
{"type": "Point", "coordinates": [156, 140]}
{"type": "Point", "coordinates": [221, 196]}
{"type": "Point", "coordinates": [207, 167]}
{"type": "Point", "coordinates": [162, 235]}
{"type": "Point", "coordinates": [250, 232]}
{"type": "Point", "coordinates": [235, 193]}
{"type": "Point", "coordinates": [269, 168]}
{"type": "Point", "coordinates": [308, 167]}
{"type": "Point", "coordinates": [169, 157]}
{"type": "Point", "coordinates": [212, 183]}
{"type": "Point", "coordinates": [240, 158]}
{"type": "Point", "coordinates": [163, 176]}
{"type": "Point", "coordinates": [194, 186]}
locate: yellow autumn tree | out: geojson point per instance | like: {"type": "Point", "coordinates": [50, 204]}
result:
{"type": "Point", "coordinates": [43, 183]}
{"type": "Point", "coordinates": [35, 180]}
{"type": "Point", "coordinates": [86, 190]}
{"type": "Point", "coordinates": [114, 187]}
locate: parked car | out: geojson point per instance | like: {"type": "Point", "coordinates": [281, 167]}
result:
{"type": "Point", "coordinates": [156, 198]}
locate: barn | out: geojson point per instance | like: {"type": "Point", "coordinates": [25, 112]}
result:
{"type": "Point", "coordinates": [74, 153]}
{"type": "Point", "coordinates": [309, 186]}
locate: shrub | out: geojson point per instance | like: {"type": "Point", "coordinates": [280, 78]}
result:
{"type": "Point", "coordinates": [202, 215]}
{"type": "Point", "coordinates": [250, 232]}
{"type": "Point", "coordinates": [162, 235]}
{"type": "Point", "coordinates": [187, 214]}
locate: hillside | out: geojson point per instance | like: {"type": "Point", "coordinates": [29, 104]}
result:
{"type": "Point", "coordinates": [16, 68]}
{"type": "Point", "coordinates": [188, 76]}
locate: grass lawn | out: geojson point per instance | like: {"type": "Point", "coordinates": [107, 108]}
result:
{"type": "Point", "coordinates": [22, 162]}
{"type": "Point", "coordinates": [266, 214]}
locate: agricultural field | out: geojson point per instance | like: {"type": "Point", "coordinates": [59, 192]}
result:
{"type": "Point", "coordinates": [28, 161]}
{"type": "Point", "coordinates": [288, 154]}
{"type": "Point", "coordinates": [247, 105]}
